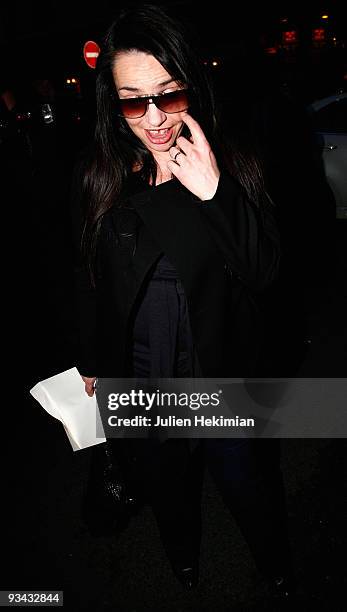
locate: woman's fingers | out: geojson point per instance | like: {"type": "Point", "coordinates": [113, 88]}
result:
{"type": "Point", "coordinates": [89, 385]}
{"type": "Point", "coordinates": [198, 136]}
{"type": "Point", "coordinates": [183, 144]}
{"type": "Point", "coordinates": [193, 163]}
{"type": "Point", "coordinates": [174, 153]}
{"type": "Point", "coordinates": [89, 390]}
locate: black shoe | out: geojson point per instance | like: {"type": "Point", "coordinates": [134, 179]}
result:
{"type": "Point", "coordinates": [188, 576]}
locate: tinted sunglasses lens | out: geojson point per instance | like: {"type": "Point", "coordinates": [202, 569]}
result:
{"type": "Point", "coordinates": [132, 107]}
{"type": "Point", "coordinates": [173, 102]}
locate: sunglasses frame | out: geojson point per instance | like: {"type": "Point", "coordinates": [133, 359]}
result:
{"type": "Point", "coordinates": [155, 99]}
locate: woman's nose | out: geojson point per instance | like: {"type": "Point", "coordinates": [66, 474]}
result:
{"type": "Point", "coordinates": [155, 116]}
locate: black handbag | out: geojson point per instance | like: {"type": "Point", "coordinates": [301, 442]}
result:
{"type": "Point", "coordinates": [109, 500]}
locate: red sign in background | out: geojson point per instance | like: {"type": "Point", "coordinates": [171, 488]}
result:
{"type": "Point", "coordinates": [91, 51]}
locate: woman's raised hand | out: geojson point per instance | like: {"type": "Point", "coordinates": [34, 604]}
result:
{"type": "Point", "coordinates": [89, 385]}
{"type": "Point", "coordinates": [193, 162]}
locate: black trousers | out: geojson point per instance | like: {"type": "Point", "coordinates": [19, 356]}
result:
{"type": "Point", "coordinates": [168, 475]}
{"type": "Point", "coordinates": [248, 475]}
{"type": "Point", "coordinates": [247, 472]}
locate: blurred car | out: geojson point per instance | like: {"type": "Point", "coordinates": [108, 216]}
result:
{"type": "Point", "coordinates": [329, 116]}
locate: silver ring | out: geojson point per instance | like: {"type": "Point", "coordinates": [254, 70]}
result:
{"type": "Point", "coordinates": [177, 154]}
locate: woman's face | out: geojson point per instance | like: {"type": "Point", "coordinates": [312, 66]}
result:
{"type": "Point", "coordinates": [139, 74]}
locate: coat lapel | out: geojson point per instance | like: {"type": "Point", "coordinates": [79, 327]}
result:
{"type": "Point", "coordinates": [138, 251]}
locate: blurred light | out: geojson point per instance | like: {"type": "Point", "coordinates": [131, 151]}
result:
{"type": "Point", "coordinates": [334, 38]}
{"type": "Point", "coordinates": [23, 116]}
{"type": "Point", "coordinates": [271, 50]}
{"type": "Point", "coordinates": [318, 34]}
{"type": "Point", "coordinates": [284, 20]}
{"type": "Point", "coordinates": [72, 81]}
{"type": "Point", "coordinates": [325, 16]}
{"type": "Point", "coordinates": [290, 36]}
{"type": "Point", "coordinates": [214, 63]}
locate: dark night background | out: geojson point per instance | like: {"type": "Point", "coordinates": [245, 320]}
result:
{"type": "Point", "coordinates": [42, 38]}
{"type": "Point", "coordinates": [266, 84]}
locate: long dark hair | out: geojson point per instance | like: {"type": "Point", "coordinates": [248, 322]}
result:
{"type": "Point", "coordinates": [116, 150]}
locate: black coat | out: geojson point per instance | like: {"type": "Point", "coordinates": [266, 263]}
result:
{"type": "Point", "coordinates": [226, 252]}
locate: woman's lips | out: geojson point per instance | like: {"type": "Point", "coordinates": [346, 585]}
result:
{"type": "Point", "coordinates": [160, 136]}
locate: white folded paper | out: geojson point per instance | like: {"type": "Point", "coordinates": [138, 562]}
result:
{"type": "Point", "coordinates": [63, 396]}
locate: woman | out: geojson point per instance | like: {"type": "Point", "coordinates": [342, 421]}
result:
{"type": "Point", "coordinates": [178, 237]}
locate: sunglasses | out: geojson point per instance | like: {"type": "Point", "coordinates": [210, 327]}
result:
{"type": "Point", "coordinates": [173, 102]}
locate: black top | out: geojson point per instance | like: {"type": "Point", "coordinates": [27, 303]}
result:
{"type": "Point", "coordinates": [162, 339]}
